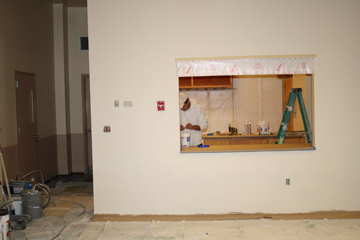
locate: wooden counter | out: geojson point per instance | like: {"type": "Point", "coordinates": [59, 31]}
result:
{"type": "Point", "coordinates": [250, 143]}
{"type": "Point", "coordinates": [250, 139]}
{"type": "Point", "coordinates": [248, 148]}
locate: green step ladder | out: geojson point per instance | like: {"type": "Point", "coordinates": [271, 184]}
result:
{"type": "Point", "coordinates": [295, 92]}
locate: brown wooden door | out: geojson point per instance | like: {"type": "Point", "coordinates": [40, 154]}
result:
{"type": "Point", "coordinates": [288, 85]}
{"type": "Point", "coordinates": [27, 124]}
{"type": "Point", "coordinates": [87, 123]}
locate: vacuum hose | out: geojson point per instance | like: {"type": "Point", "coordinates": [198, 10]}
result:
{"type": "Point", "coordinates": [45, 189]}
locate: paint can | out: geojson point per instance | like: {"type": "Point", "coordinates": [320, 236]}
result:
{"type": "Point", "coordinates": [32, 203]}
{"type": "Point", "coordinates": [185, 139]}
{"type": "Point", "coordinates": [4, 224]}
{"type": "Point", "coordinates": [263, 126]}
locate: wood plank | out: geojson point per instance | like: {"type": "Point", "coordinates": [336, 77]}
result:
{"type": "Point", "coordinates": [299, 81]}
{"type": "Point", "coordinates": [239, 141]}
{"type": "Point", "coordinates": [205, 82]}
{"type": "Point", "coordinates": [288, 85]}
{"type": "Point", "coordinates": [258, 141]}
{"type": "Point", "coordinates": [249, 139]}
{"type": "Point", "coordinates": [294, 140]}
{"type": "Point", "coordinates": [216, 142]}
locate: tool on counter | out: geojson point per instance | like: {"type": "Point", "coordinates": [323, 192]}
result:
{"type": "Point", "coordinates": [265, 133]}
{"type": "Point", "coordinates": [294, 93]}
{"type": "Point", "coordinates": [247, 128]}
{"type": "Point", "coordinates": [232, 130]}
{"type": "Point", "coordinates": [263, 126]}
{"type": "Point", "coordinates": [203, 146]}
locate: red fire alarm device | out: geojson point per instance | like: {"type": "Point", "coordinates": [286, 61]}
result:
{"type": "Point", "coordinates": [161, 105]}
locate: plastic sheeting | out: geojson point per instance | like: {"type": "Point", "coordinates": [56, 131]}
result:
{"type": "Point", "coordinates": [252, 99]}
{"type": "Point", "coordinates": [247, 66]}
{"type": "Point", "coordinates": [219, 230]}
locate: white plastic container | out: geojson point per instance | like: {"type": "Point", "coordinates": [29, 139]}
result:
{"type": "Point", "coordinates": [263, 126]}
{"type": "Point", "coordinates": [247, 128]}
{"type": "Point", "coordinates": [185, 139]}
{"type": "Point", "coordinates": [4, 224]}
{"type": "Point", "coordinates": [17, 205]}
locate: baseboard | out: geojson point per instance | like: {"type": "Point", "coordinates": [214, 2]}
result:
{"type": "Point", "coordinates": [213, 217]}
{"type": "Point", "coordinates": [64, 176]}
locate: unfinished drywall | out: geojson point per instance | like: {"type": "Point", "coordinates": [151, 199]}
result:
{"type": "Point", "coordinates": [138, 168]}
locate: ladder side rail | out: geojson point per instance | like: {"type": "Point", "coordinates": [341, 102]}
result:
{"type": "Point", "coordinates": [286, 119]}
{"type": "Point", "coordinates": [305, 117]}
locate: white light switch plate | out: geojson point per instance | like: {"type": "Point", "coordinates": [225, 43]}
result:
{"type": "Point", "coordinates": [127, 103]}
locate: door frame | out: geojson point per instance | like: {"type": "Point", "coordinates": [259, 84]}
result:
{"type": "Point", "coordinates": [85, 84]}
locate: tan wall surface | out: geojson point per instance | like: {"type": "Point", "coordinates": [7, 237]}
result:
{"type": "Point", "coordinates": [59, 68]}
{"type": "Point", "coordinates": [61, 142]}
{"type": "Point", "coordinates": [60, 87]}
{"type": "Point", "coordinates": [70, 63]}
{"type": "Point", "coordinates": [10, 155]}
{"type": "Point", "coordinates": [46, 154]}
{"type": "Point", "coordinates": [134, 45]}
{"type": "Point", "coordinates": [26, 45]}
{"type": "Point", "coordinates": [77, 142]}
{"type": "Point", "coordinates": [78, 64]}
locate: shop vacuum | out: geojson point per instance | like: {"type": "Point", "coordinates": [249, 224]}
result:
{"type": "Point", "coordinates": [27, 202]}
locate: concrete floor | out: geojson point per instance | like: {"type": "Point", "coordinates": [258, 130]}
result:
{"type": "Point", "coordinates": [69, 178]}
{"type": "Point", "coordinates": [66, 218]}
{"type": "Point", "coordinates": [68, 214]}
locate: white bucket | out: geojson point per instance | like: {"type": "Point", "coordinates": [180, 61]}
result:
{"type": "Point", "coordinates": [185, 139]}
{"type": "Point", "coordinates": [263, 126]}
{"type": "Point", "coordinates": [17, 205]}
{"type": "Point", "coordinates": [4, 224]}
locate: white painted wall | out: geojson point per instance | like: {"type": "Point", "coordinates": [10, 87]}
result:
{"type": "Point", "coordinates": [138, 168]}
